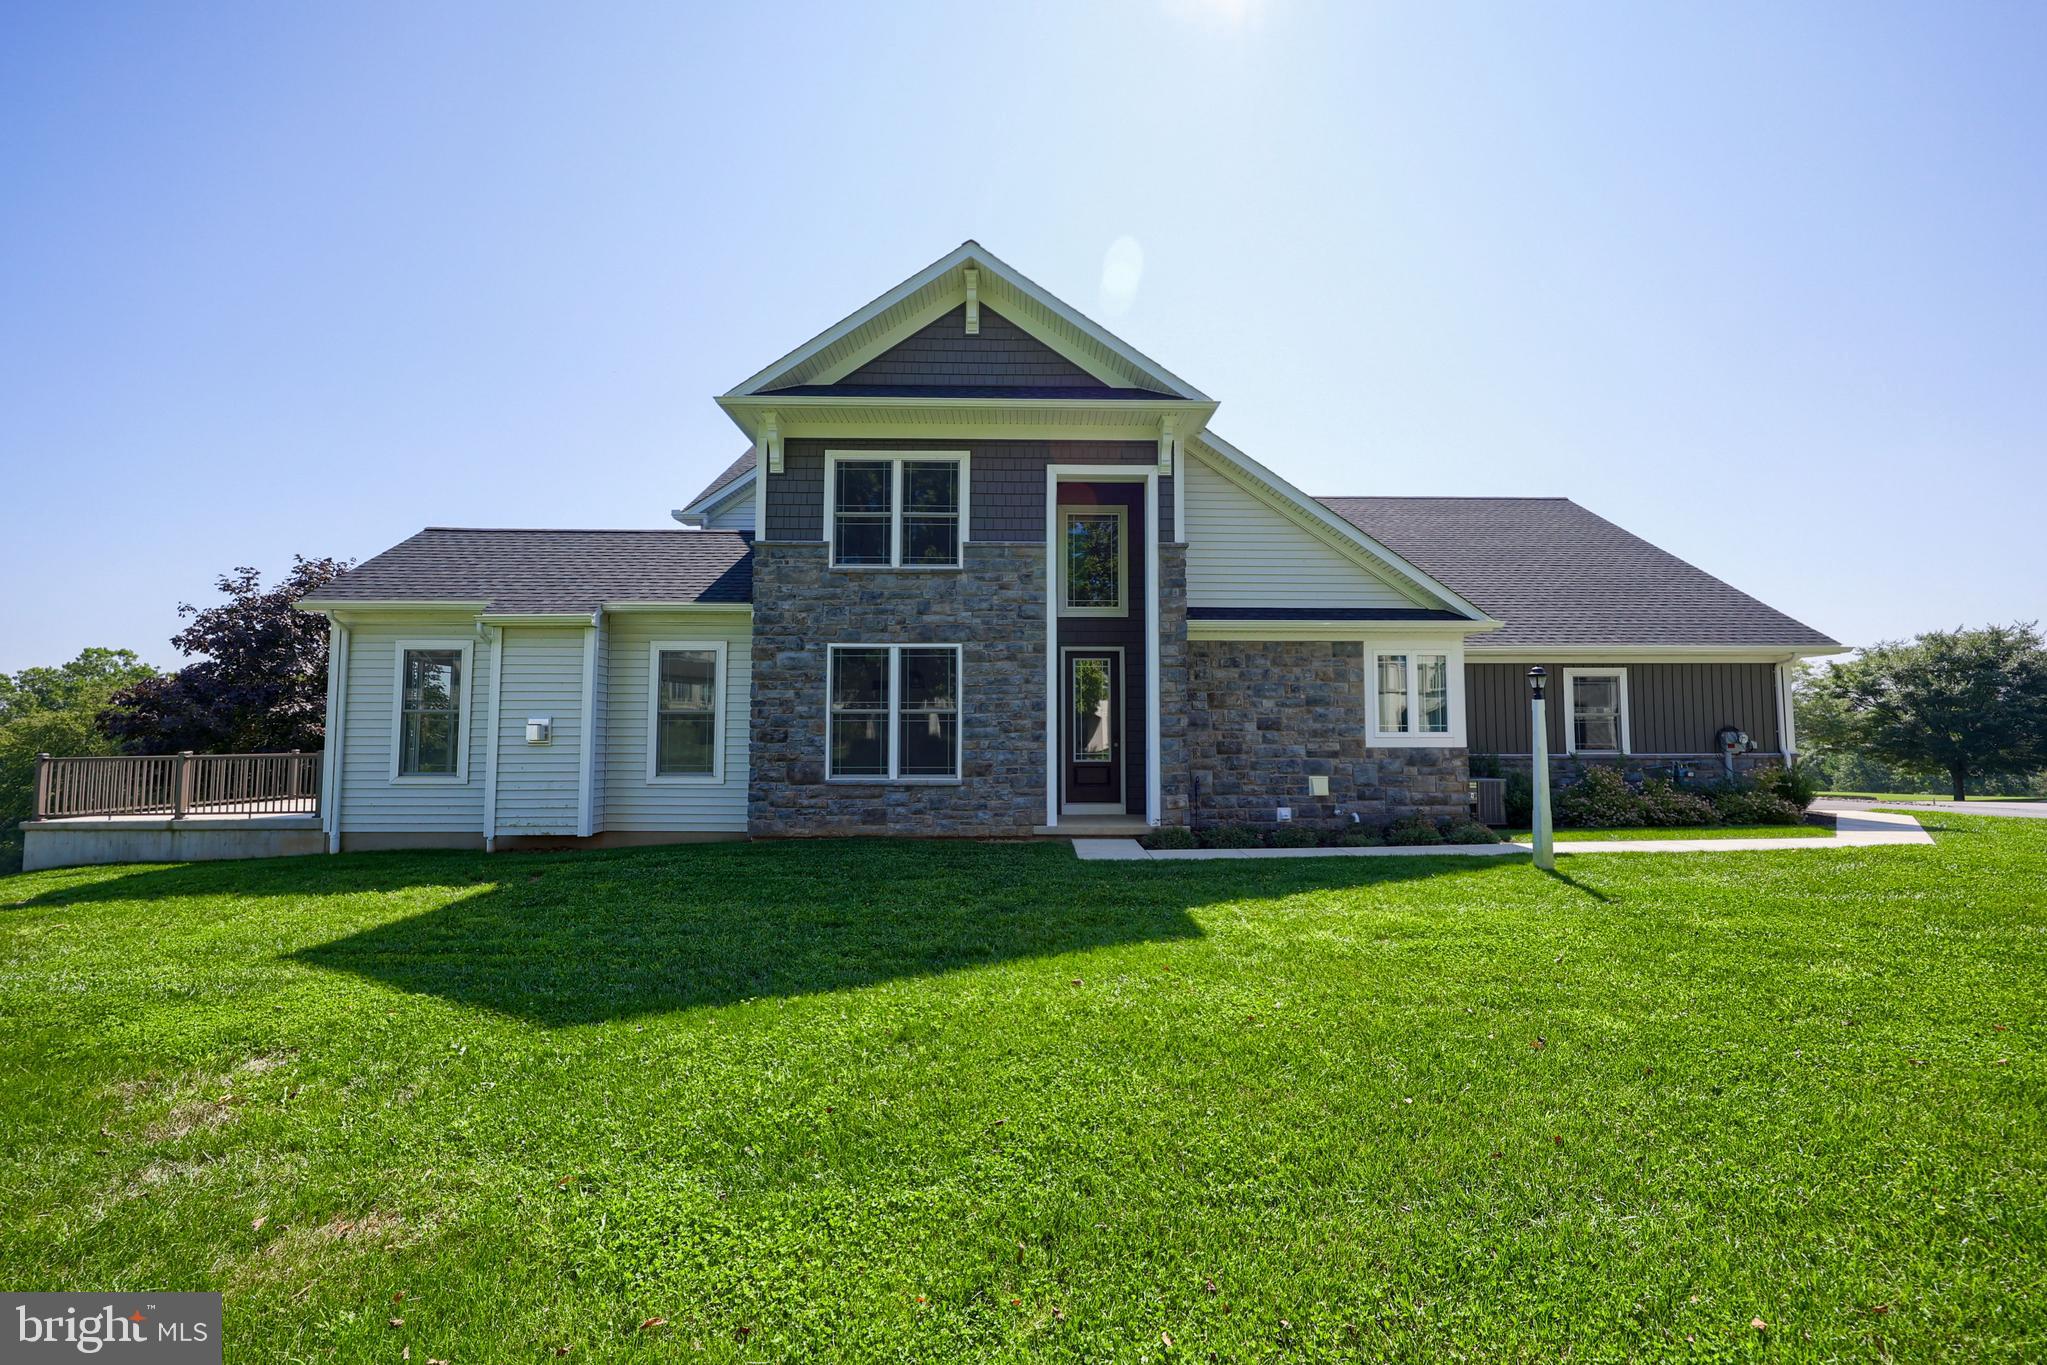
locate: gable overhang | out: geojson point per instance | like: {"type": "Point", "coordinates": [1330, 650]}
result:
{"type": "Point", "coordinates": [1338, 629]}
{"type": "Point", "coordinates": [939, 288]}
{"type": "Point", "coordinates": [1318, 520]}
{"type": "Point", "coordinates": [1017, 419]}
{"type": "Point", "coordinates": [717, 497]}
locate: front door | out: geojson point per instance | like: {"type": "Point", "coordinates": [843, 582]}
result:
{"type": "Point", "coordinates": [1091, 737]}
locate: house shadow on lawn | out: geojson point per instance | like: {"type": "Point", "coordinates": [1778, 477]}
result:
{"type": "Point", "coordinates": [579, 938]}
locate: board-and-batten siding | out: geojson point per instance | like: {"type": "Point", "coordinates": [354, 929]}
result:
{"type": "Point", "coordinates": [539, 784]}
{"type": "Point", "coordinates": [1243, 553]}
{"type": "Point", "coordinates": [631, 803]}
{"type": "Point", "coordinates": [735, 515]}
{"type": "Point", "coordinates": [370, 801]}
{"type": "Point", "coordinates": [1673, 708]}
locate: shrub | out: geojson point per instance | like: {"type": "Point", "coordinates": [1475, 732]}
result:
{"type": "Point", "coordinates": [1664, 803]}
{"type": "Point", "coordinates": [1359, 838]}
{"type": "Point", "coordinates": [1470, 832]}
{"type": "Point", "coordinates": [1485, 765]}
{"type": "Point", "coordinates": [1413, 830]}
{"type": "Point", "coordinates": [1794, 784]}
{"type": "Point", "coordinates": [1600, 799]}
{"type": "Point", "coordinates": [1519, 799]}
{"type": "Point", "coordinates": [1753, 806]}
{"type": "Point", "coordinates": [1293, 836]}
{"type": "Point", "coordinates": [1229, 836]}
{"type": "Point", "coordinates": [1170, 836]}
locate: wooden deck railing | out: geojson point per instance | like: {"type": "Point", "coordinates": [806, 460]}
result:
{"type": "Point", "coordinates": [178, 785]}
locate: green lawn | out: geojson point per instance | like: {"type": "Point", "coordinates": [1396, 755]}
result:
{"type": "Point", "coordinates": [1924, 796]}
{"type": "Point", "coordinates": [860, 1100]}
{"type": "Point", "coordinates": [1684, 832]}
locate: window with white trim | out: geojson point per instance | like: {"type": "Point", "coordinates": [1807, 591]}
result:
{"type": "Point", "coordinates": [893, 713]}
{"type": "Point", "coordinates": [896, 509]}
{"type": "Point", "coordinates": [1414, 695]}
{"type": "Point", "coordinates": [430, 721]}
{"type": "Point", "coordinates": [685, 710]}
{"type": "Point", "coordinates": [1596, 710]}
{"type": "Point", "coordinates": [1094, 568]}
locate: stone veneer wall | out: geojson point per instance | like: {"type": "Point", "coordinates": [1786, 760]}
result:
{"type": "Point", "coordinates": [1173, 696]}
{"type": "Point", "coordinates": [995, 607]}
{"type": "Point", "coordinates": [1263, 716]}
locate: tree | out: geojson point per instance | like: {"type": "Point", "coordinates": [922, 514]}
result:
{"type": "Point", "coordinates": [260, 685]}
{"type": "Point", "coordinates": [55, 711]}
{"type": "Point", "coordinates": [1964, 703]}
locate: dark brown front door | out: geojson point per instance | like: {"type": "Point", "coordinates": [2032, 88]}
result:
{"type": "Point", "coordinates": [1091, 736]}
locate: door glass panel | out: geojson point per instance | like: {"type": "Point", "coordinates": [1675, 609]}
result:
{"type": "Point", "coordinates": [1093, 731]}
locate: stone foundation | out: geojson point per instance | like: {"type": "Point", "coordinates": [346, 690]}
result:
{"type": "Point", "coordinates": [1703, 769]}
{"type": "Point", "coordinates": [1173, 700]}
{"type": "Point", "coordinates": [1263, 716]}
{"type": "Point", "coordinates": [995, 607]}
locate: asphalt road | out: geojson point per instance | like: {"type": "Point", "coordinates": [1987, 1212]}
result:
{"type": "Point", "coordinates": [2017, 810]}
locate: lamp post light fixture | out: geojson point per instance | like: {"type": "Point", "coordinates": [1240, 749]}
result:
{"type": "Point", "coordinates": [1538, 720]}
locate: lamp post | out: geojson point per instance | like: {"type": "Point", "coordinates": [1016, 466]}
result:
{"type": "Point", "coordinates": [1538, 720]}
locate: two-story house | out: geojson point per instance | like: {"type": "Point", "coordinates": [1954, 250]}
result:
{"type": "Point", "coordinates": [985, 570]}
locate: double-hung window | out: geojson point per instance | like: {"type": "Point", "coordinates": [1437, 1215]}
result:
{"type": "Point", "coordinates": [894, 713]}
{"type": "Point", "coordinates": [1414, 696]}
{"type": "Point", "coordinates": [686, 711]}
{"type": "Point", "coordinates": [896, 509]}
{"type": "Point", "coordinates": [1596, 710]}
{"type": "Point", "coordinates": [430, 741]}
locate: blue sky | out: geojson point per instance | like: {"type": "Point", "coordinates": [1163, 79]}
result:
{"type": "Point", "coordinates": [1761, 283]}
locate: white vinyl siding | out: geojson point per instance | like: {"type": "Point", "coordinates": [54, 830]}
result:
{"type": "Point", "coordinates": [631, 802]}
{"type": "Point", "coordinates": [1241, 552]}
{"type": "Point", "coordinates": [370, 801]}
{"type": "Point", "coordinates": [538, 783]}
{"type": "Point", "coordinates": [733, 515]}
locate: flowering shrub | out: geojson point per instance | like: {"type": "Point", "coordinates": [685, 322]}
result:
{"type": "Point", "coordinates": [1664, 803]}
{"type": "Point", "coordinates": [1754, 806]}
{"type": "Point", "coordinates": [1600, 799]}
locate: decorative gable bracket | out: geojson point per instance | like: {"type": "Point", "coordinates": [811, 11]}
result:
{"type": "Point", "coordinates": [973, 278]}
{"type": "Point", "coordinates": [1169, 444]}
{"type": "Point", "coordinates": [769, 456]}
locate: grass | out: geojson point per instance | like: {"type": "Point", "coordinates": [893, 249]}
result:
{"type": "Point", "coordinates": [874, 1101]}
{"type": "Point", "coordinates": [1684, 832]}
{"type": "Point", "coordinates": [1926, 796]}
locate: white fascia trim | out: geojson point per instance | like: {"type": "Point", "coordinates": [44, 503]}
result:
{"type": "Point", "coordinates": [539, 618]}
{"type": "Point", "coordinates": [1442, 632]}
{"type": "Point", "coordinates": [1290, 500]}
{"type": "Point", "coordinates": [1647, 654]}
{"type": "Point", "coordinates": [330, 607]}
{"type": "Point", "coordinates": [1571, 676]}
{"type": "Point", "coordinates": [692, 608]}
{"type": "Point", "coordinates": [995, 275]}
{"type": "Point", "coordinates": [712, 501]}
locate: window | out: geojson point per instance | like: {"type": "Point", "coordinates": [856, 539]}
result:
{"type": "Point", "coordinates": [686, 711]}
{"type": "Point", "coordinates": [894, 713]}
{"type": "Point", "coordinates": [429, 730]}
{"type": "Point", "coordinates": [1415, 695]}
{"type": "Point", "coordinates": [1094, 572]}
{"type": "Point", "coordinates": [896, 509]}
{"type": "Point", "coordinates": [1596, 703]}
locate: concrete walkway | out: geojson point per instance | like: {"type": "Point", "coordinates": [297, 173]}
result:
{"type": "Point", "coordinates": [2016, 810]}
{"type": "Point", "coordinates": [1858, 829]}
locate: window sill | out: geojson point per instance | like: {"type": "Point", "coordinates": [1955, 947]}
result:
{"type": "Point", "coordinates": [429, 779]}
{"type": "Point", "coordinates": [687, 780]}
{"type": "Point", "coordinates": [895, 782]}
{"type": "Point", "coordinates": [897, 568]}
{"type": "Point", "coordinates": [1427, 741]}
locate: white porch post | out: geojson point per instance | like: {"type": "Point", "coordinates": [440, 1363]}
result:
{"type": "Point", "coordinates": [1538, 717]}
{"type": "Point", "coordinates": [1152, 784]}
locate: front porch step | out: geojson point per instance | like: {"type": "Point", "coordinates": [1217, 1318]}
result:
{"type": "Point", "coordinates": [1095, 827]}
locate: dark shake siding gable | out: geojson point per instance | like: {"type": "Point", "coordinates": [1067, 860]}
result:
{"type": "Point", "coordinates": [1006, 483]}
{"type": "Point", "coordinates": [944, 355]}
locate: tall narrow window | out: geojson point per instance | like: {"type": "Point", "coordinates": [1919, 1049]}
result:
{"type": "Point", "coordinates": [927, 736]}
{"type": "Point", "coordinates": [687, 711]}
{"type": "Point", "coordinates": [1598, 703]}
{"type": "Point", "coordinates": [431, 691]}
{"type": "Point", "coordinates": [1093, 566]}
{"type": "Point", "coordinates": [864, 511]}
{"type": "Point", "coordinates": [893, 713]}
{"type": "Point", "coordinates": [896, 509]}
{"type": "Point", "coordinates": [1393, 694]}
{"type": "Point", "coordinates": [1432, 693]}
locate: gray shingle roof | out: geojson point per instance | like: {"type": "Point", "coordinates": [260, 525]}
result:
{"type": "Point", "coordinates": [552, 571]}
{"type": "Point", "coordinates": [741, 466]}
{"type": "Point", "coordinates": [1558, 575]}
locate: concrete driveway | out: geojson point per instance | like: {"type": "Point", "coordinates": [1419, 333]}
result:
{"type": "Point", "coordinates": [2018, 810]}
